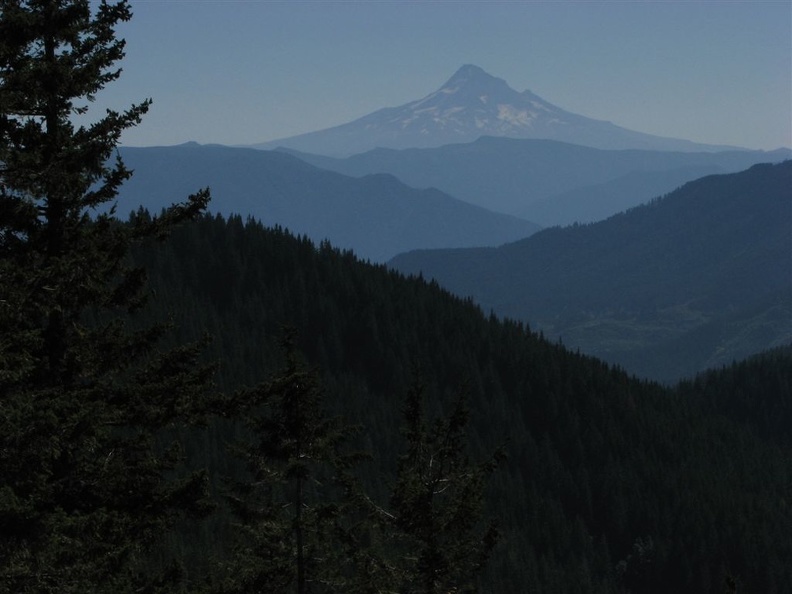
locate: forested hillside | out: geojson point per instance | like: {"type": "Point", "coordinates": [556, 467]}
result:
{"type": "Point", "coordinates": [612, 484]}
{"type": "Point", "coordinates": [697, 278]}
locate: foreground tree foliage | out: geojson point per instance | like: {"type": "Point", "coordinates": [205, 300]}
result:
{"type": "Point", "coordinates": [303, 523]}
{"type": "Point", "coordinates": [437, 502]}
{"type": "Point", "coordinates": [83, 489]}
{"type": "Point", "coordinates": [299, 518]}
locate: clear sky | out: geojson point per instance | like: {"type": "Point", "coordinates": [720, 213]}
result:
{"type": "Point", "coordinates": [240, 72]}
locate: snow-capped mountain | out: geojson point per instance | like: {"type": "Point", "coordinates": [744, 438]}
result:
{"type": "Point", "coordinates": [469, 105]}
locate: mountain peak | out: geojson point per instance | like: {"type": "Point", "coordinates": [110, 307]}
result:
{"type": "Point", "coordinates": [473, 77]}
{"type": "Point", "coordinates": [473, 103]}
{"type": "Point", "coordinates": [469, 72]}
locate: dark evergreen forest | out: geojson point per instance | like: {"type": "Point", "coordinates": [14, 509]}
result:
{"type": "Point", "coordinates": [612, 483]}
{"type": "Point", "coordinates": [195, 404]}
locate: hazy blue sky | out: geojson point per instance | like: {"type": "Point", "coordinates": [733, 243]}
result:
{"type": "Point", "coordinates": [238, 72]}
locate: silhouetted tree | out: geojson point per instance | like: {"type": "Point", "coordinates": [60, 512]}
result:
{"type": "Point", "coordinates": [438, 501]}
{"type": "Point", "coordinates": [297, 512]}
{"type": "Point", "coordinates": [83, 493]}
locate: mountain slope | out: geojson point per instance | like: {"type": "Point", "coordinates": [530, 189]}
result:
{"type": "Point", "coordinates": [601, 467]}
{"type": "Point", "coordinates": [471, 104]}
{"type": "Point", "coordinates": [376, 216]}
{"type": "Point", "coordinates": [533, 179]}
{"type": "Point", "coordinates": [692, 280]}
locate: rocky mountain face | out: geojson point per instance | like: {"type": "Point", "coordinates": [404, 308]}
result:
{"type": "Point", "coordinates": [471, 104]}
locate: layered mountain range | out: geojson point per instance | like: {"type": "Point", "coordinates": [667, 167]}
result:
{"type": "Point", "coordinates": [696, 279]}
{"type": "Point", "coordinates": [691, 280]}
{"type": "Point", "coordinates": [666, 290]}
{"type": "Point", "coordinates": [376, 216]}
{"type": "Point", "coordinates": [545, 181]}
{"type": "Point", "coordinates": [471, 104]}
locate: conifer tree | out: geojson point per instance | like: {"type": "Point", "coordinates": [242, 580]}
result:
{"type": "Point", "coordinates": [83, 494]}
{"type": "Point", "coordinates": [298, 526]}
{"type": "Point", "coordinates": [437, 502]}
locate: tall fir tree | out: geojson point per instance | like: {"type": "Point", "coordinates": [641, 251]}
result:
{"type": "Point", "coordinates": [83, 392]}
{"type": "Point", "coordinates": [437, 501]}
{"type": "Point", "coordinates": [299, 518]}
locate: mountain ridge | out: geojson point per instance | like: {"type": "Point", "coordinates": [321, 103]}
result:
{"type": "Point", "coordinates": [545, 181]}
{"type": "Point", "coordinates": [706, 267]}
{"type": "Point", "coordinates": [377, 216]}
